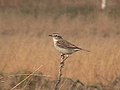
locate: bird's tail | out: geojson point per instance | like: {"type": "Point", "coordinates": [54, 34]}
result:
{"type": "Point", "coordinates": [84, 50]}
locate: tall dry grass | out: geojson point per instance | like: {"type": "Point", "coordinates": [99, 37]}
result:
{"type": "Point", "coordinates": [25, 45]}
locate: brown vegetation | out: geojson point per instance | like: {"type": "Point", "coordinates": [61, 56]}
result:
{"type": "Point", "coordinates": [25, 45]}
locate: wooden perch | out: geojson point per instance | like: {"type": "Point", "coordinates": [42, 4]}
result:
{"type": "Point", "coordinates": [62, 63]}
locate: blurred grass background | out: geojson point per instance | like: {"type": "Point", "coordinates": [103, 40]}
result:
{"type": "Point", "coordinates": [25, 45]}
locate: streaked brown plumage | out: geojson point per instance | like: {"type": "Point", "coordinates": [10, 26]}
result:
{"type": "Point", "coordinates": [63, 46]}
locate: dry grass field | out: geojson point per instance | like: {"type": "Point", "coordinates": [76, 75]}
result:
{"type": "Point", "coordinates": [25, 45]}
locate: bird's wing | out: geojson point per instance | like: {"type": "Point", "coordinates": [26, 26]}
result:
{"type": "Point", "coordinates": [65, 44]}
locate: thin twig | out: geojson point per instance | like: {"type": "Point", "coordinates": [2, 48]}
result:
{"type": "Point", "coordinates": [75, 84]}
{"type": "Point", "coordinates": [26, 78]}
{"type": "Point", "coordinates": [63, 84]}
{"type": "Point", "coordinates": [63, 58]}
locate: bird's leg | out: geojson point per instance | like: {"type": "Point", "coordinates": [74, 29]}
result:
{"type": "Point", "coordinates": [66, 56]}
{"type": "Point", "coordinates": [63, 58]}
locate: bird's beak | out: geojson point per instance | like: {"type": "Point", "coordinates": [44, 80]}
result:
{"type": "Point", "coordinates": [50, 35]}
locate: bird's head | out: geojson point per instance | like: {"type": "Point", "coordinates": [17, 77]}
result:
{"type": "Point", "coordinates": [56, 36]}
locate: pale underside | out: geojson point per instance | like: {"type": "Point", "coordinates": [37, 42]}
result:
{"type": "Point", "coordinates": [65, 47]}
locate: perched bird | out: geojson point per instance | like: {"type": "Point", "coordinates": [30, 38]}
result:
{"type": "Point", "coordinates": [63, 46]}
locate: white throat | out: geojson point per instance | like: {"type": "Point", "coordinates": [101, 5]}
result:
{"type": "Point", "coordinates": [55, 40]}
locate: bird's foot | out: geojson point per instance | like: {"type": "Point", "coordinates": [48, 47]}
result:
{"type": "Point", "coordinates": [62, 56]}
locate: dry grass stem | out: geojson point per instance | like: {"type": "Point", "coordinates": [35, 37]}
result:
{"type": "Point", "coordinates": [10, 75]}
{"type": "Point", "coordinates": [26, 78]}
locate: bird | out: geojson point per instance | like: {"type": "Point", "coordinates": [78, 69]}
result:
{"type": "Point", "coordinates": [63, 46]}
